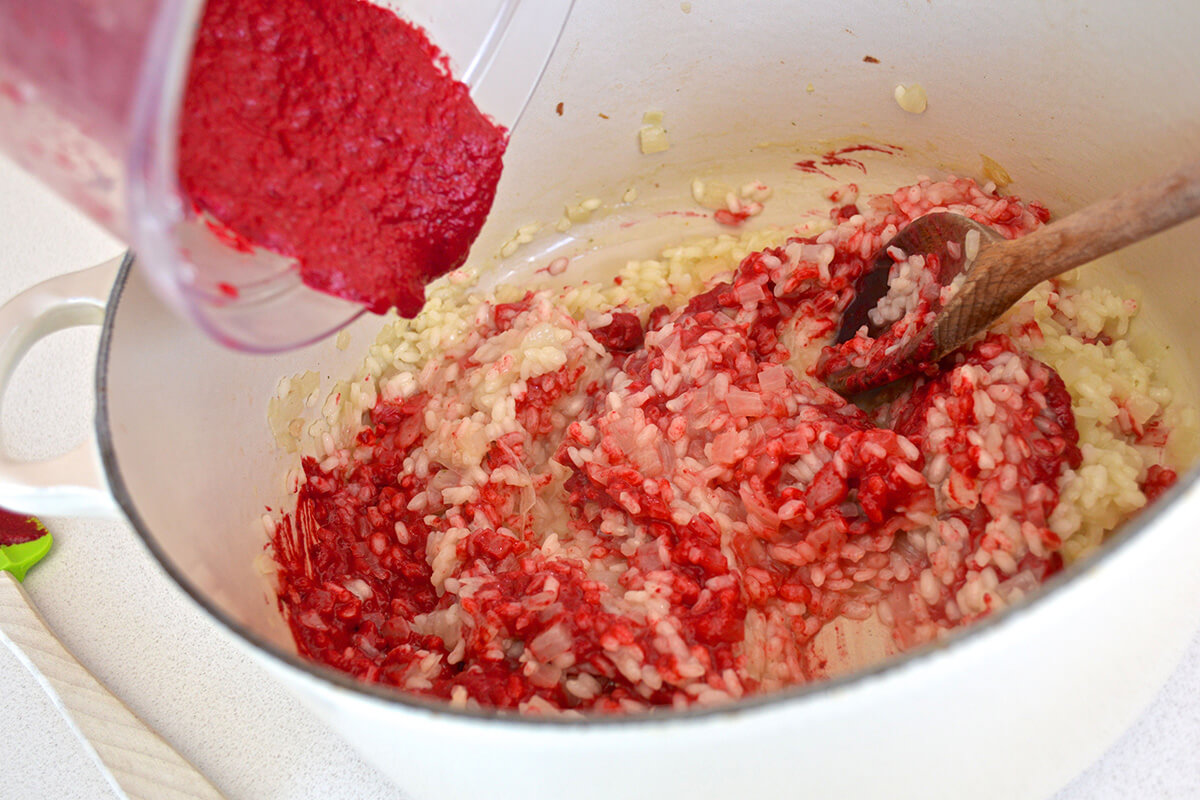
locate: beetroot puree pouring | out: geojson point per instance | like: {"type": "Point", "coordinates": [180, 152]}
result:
{"type": "Point", "coordinates": [332, 132]}
{"type": "Point", "coordinates": [618, 504]}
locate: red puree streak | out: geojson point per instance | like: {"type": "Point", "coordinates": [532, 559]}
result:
{"type": "Point", "coordinates": [18, 528]}
{"type": "Point", "coordinates": [333, 132]}
{"type": "Point", "coordinates": [837, 158]}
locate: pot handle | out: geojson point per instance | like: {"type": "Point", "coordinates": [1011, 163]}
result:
{"type": "Point", "coordinates": [72, 483]}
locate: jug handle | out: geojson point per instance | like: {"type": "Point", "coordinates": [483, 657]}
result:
{"type": "Point", "coordinates": [72, 483]}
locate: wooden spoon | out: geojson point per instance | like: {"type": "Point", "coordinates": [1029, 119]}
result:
{"type": "Point", "coordinates": [1003, 270]}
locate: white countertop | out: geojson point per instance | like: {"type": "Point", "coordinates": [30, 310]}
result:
{"type": "Point", "coordinates": [117, 611]}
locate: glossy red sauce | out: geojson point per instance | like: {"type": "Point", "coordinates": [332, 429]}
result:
{"type": "Point", "coordinates": [331, 131]}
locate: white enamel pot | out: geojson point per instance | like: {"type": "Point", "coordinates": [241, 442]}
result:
{"type": "Point", "coordinates": [1074, 100]}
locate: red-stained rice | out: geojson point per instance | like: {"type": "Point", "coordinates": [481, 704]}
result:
{"type": "Point", "coordinates": [650, 507]}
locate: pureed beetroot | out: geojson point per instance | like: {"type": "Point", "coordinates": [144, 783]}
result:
{"type": "Point", "coordinates": [331, 131]}
{"type": "Point", "coordinates": [18, 528]}
{"type": "Point", "coordinates": [557, 504]}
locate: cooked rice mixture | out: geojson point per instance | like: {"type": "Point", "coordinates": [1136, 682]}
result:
{"type": "Point", "coordinates": [632, 495]}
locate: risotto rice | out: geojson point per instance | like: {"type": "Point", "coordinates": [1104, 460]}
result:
{"type": "Point", "coordinates": [634, 494]}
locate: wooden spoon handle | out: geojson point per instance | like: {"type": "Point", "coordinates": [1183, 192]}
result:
{"type": "Point", "coordinates": [1109, 225]}
{"type": "Point", "coordinates": [1004, 271]}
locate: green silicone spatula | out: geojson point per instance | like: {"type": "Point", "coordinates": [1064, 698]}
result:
{"type": "Point", "coordinates": [140, 763]}
{"type": "Point", "coordinates": [35, 542]}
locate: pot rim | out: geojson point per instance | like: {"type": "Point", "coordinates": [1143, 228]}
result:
{"type": "Point", "coordinates": [782, 699]}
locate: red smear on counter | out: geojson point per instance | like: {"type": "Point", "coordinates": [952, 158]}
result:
{"type": "Point", "coordinates": [332, 132]}
{"type": "Point", "coordinates": [19, 528]}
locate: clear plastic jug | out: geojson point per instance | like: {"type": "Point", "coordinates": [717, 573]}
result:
{"type": "Point", "coordinates": [89, 97]}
